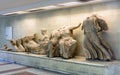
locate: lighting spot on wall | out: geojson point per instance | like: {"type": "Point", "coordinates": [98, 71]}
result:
{"type": "Point", "coordinates": [20, 12]}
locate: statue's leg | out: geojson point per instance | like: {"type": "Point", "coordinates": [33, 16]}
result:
{"type": "Point", "coordinates": [50, 49]}
{"type": "Point", "coordinates": [105, 44]}
{"type": "Point", "coordinates": [89, 46]}
{"type": "Point", "coordinates": [65, 52]}
{"type": "Point", "coordinates": [87, 54]}
{"type": "Point", "coordinates": [72, 48]}
{"type": "Point", "coordinates": [96, 46]}
{"type": "Point", "coordinates": [56, 51]}
{"type": "Point", "coordinates": [62, 47]}
{"type": "Point", "coordinates": [103, 50]}
{"type": "Point", "coordinates": [85, 44]}
{"type": "Point", "coordinates": [43, 48]}
{"type": "Point", "coordinates": [97, 52]}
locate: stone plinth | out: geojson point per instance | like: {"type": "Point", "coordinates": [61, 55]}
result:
{"type": "Point", "coordinates": [76, 66]}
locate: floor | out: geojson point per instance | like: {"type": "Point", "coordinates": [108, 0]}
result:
{"type": "Point", "coordinates": [7, 68]}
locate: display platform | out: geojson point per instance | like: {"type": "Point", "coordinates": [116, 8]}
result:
{"type": "Point", "coordinates": [75, 66]}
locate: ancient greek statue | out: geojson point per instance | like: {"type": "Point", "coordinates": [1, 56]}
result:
{"type": "Point", "coordinates": [32, 46]}
{"type": "Point", "coordinates": [67, 44]}
{"type": "Point", "coordinates": [19, 45]}
{"type": "Point", "coordinates": [53, 44]}
{"type": "Point", "coordinates": [14, 46]}
{"type": "Point", "coordinates": [62, 43]}
{"type": "Point", "coordinates": [94, 42]}
{"type": "Point", "coordinates": [37, 38]}
{"type": "Point", "coordinates": [7, 48]}
{"type": "Point", "coordinates": [44, 40]}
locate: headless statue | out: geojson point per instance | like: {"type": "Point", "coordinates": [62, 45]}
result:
{"type": "Point", "coordinates": [94, 42]}
{"type": "Point", "coordinates": [67, 44]}
{"type": "Point", "coordinates": [62, 43]}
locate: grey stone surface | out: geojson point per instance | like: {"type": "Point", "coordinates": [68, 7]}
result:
{"type": "Point", "coordinates": [65, 66]}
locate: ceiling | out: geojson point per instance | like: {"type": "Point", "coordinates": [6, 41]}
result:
{"type": "Point", "coordinates": [8, 6]}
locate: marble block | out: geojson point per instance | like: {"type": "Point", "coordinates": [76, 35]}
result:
{"type": "Point", "coordinates": [75, 66]}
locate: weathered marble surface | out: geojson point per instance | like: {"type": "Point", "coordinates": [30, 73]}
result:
{"type": "Point", "coordinates": [94, 42]}
{"type": "Point", "coordinates": [73, 66]}
{"type": "Point", "coordinates": [23, 24]}
{"type": "Point", "coordinates": [62, 42]}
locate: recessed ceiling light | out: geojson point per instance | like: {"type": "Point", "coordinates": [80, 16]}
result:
{"type": "Point", "coordinates": [49, 7]}
{"type": "Point", "coordinates": [20, 12]}
{"type": "Point", "coordinates": [70, 3]}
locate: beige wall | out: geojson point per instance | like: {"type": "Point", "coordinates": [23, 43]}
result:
{"type": "Point", "coordinates": [29, 24]}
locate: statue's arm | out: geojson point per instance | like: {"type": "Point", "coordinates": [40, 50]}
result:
{"type": "Point", "coordinates": [26, 48]}
{"type": "Point", "coordinates": [96, 25]}
{"type": "Point", "coordinates": [74, 27]}
{"type": "Point", "coordinates": [82, 28]}
{"type": "Point", "coordinates": [102, 24]}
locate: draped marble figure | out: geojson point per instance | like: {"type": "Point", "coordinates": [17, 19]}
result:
{"type": "Point", "coordinates": [62, 43]}
{"type": "Point", "coordinates": [67, 44]}
{"type": "Point", "coordinates": [53, 45]}
{"type": "Point", "coordinates": [95, 44]}
{"type": "Point", "coordinates": [32, 47]}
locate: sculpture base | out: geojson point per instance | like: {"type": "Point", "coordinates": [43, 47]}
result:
{"type": "Point", "coordinates": [76, 66]}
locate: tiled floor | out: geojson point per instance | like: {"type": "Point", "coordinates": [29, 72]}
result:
{"type": "Point", "coordinates": [7, 68]}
